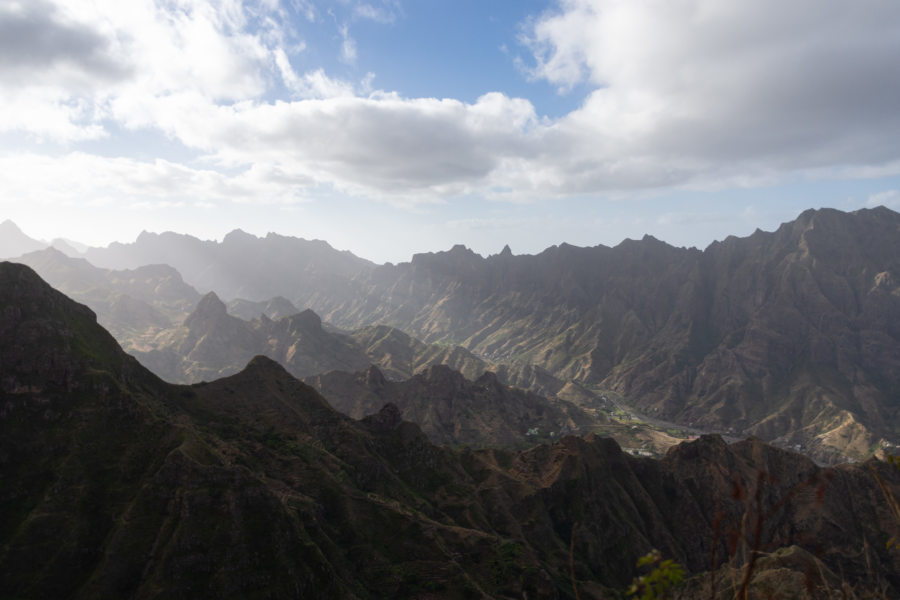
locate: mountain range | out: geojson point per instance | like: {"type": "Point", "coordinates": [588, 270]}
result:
{"type": "Point", "coordinates": [185, 338]}
{"type": "Point", "coordinates": [118, 484]}
{"type": "Point", "coordinates": [789, 335]}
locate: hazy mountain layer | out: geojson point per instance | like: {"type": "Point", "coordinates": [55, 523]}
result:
{"type": "Point", "coordinates": [117, 484]}
{"type": "Point", "coordinates": [242, 265]}
{"type": "Point", "coordinates": [140, 306]}
{"type": "Point", "coordinates": [211, 343]}
{"type": "Point", "coordinates": [134, 305]}
{"type": "Point", "coordinates": [15, 243]}
{"type": "Point", "coordinates": [790, 335]}
{"type": "Point", "coordinates": [274, 308]}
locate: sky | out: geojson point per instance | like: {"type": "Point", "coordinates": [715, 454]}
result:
{"type": "Point", "coordinates": [391, 127]}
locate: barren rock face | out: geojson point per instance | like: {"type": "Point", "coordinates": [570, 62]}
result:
{"type": "Point", "coordinates": [778, 334]}
{"type": "Point", "coordinates": [117, 484]}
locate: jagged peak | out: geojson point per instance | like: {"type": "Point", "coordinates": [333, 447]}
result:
{"type": "Point", "coordinates": [260, 362]}
{"type": "Point", "coordinates": [488, 379]}
{"type": "Point", "coordinates": [458, 252]}
{"type": "Point", "coordinates": [211, 302]}
{"type": "Point", "coordinates": [441, 372]}
{"type": "Point", "coordinates": [238, 235]}
{"type": "Point", "coordinates": [386, 419]}
{"type": "Point", "coordinates": [306, 319]}
{"type": "Point", "coordinates": [8, 226]}
{"type": "Point", "coordinates": [210, 306]}
{"type": "Point", "coordinates": [145, 236]}
{"type": "Point", "coordinates": [374, 377]}
{"type": "Point", "coordinates": [705, 445]}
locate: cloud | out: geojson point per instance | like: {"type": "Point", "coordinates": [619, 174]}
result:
{"type": "Point", "coordinates": [697, 94]}
{"type": "Point", "coordinates": [313, 84]}
{"type": "Point", "coordinates": [348, 46]}
{"type": "Point", "coordinates": [701, 88]}
{"type": "Point", "coordinates": [382, 145]}
{"type": "Point", "coordinates": [889, 198]}
{"type": "Point", "coordinates": [37, 39]}
{"type": "Point", "coordinates": [82, 60]}
{"type": "Point", "coordinates": [78, 178]}
{"type": "Point", "coordinates": [384, 13]}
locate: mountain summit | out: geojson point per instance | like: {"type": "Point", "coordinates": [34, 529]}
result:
{"type": "Point", "coordinates": [15, 243]}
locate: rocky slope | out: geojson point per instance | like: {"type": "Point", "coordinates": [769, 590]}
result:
{"type": "Point", "coordinates": [149, 311]}
{"type": "Point", "coordinates": [789, 335]}
{"type": "Point", "coordinates": [274, 308]}
{"type": "Point", "coordinates": [452, 410]}
{"type": "Point", "coordinates": [455, 411]}
{"type": "Point", "coordinates": [211, 343]}
{"type": "Point", "coordinates": [134, 305]}
{"type": "Point", "coordinates": [117, 484]}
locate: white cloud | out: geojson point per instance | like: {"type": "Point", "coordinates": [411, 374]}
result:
{"type": "Point", "coordinates": [314, 84]}
{"type": "Point", "coordinates": [682, 93]}
{"type": "Point", "coordinates": [889, 198]}
{"type": "Point", "coordinates": [695, 88]}
{"type": "Point", "coordinates": [77, 179]}
{"type": "Point", "coordinates": [382, 145]}
{"type": "Point", "coordinates": [386, 12]}
{"type": "Point", "coordinates": [348, 46]}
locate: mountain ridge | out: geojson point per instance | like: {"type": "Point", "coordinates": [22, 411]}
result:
{"type": "Point", "coordinates": [789, 335]}
{"type": "Point", "coordinates": [121, 485]}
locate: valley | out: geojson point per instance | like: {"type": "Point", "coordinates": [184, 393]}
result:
{"type": "Point", "coordinates": [252, 485]}
{"type": "Point", "coordinates": [789, 335]}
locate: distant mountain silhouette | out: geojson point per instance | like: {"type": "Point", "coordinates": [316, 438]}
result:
{"type": "Point", "coordinates": [242, 265]}
{"type": "Point", "coordinates": [66, 247]}
{"type": "Point", "coordinates": [15, 243]}
{"type": "Point", "coordinates": [117, 484]}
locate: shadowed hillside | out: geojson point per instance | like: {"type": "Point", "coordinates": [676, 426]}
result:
{"type": "Point", "coordinates": [117, 484]}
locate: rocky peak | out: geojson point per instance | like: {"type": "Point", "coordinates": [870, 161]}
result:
{"type": "Point", "coordinates": [145, 236]}
{"type": "Point", "coordinates": [443, 376]}
{"type": "Point", "coordinates": [488, 379]}
{"type": "Point", "coordinates": [209, 308]}
{"type": "Point", "coordinates": [374, 378]}
{"type": "Point", "coordinates": [388, 418]}
{"type": "Point", "coordinates": [238, 236]}
{"type": "Point", "coordinates": [305, 321]}
{"type": "Point", "coordinates": [7, 227]}
{"type": "Point", "coordinates": [261, 363]}
{"type": "Point", "coordinates": [15, 243]}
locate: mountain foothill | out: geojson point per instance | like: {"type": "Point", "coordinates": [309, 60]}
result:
{"type": "Point", "coordinates": [271, 417]}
